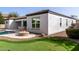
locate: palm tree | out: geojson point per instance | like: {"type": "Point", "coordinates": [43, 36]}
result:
{"type": "Point", "coordinates": [13, 14]}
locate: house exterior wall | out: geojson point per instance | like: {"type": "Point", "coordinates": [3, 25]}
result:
{"type": "Point", "coordinates": [43, 23]}
{"type": "Point", "coordinates": [74, 21]}
{"type": "Point", "coordinates": [10, 24]}
{"type": "Point", "coordinates": [54, 23]}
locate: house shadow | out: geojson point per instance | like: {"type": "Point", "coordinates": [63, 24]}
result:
{"type": "Point", "coordinates": [67, 42]}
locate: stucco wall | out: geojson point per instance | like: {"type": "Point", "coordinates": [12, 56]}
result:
{"type": "Point", "coordinates": [2, 26]}
{"type": "Point", "coordinates": [49, 23]}
{"type": "Point", "coordinates": [54, 23]}
{"type": "Point", "coordinates": [10, 24]}
{"type": "Point", "coordinates": [43, 24]}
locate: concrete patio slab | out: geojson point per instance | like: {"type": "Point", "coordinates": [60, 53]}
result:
{"type": "Point", "coordinates": [60, 34]}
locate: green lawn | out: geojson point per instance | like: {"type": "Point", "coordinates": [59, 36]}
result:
{"type": "Point", "coordinates": [42, 44]}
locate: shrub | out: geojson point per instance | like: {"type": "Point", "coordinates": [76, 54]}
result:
{"type": "Point", "coordinates": [13, 14]}
{"type": "Point", "coordinates": [2, 21]}
{"type": "Point", "coordinates": [73, 33]}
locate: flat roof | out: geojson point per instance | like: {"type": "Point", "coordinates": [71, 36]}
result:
{"type": "Point", "coordinates": [15, 18]}
{"type": "Point", "coordinates": [21, 17]}
{"type": "Point", "coordinates": [48, 11]}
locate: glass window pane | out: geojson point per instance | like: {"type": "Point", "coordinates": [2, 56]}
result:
{"type": "Point", "coordinates": [37, 25]}
{"type": "Point", "coordinates": [37, 22]}
{"type": "Point", "coordinates": [33, 25]}
{"type": "Point", "coordinates": [33, 21]}
{"type": "Point", "coordinates": [37, 19]}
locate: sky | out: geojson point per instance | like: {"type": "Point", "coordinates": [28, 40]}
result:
{"type": "Point", "coordinates": [26, 10]}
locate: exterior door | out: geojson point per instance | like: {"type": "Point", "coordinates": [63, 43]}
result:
{"type": "Point", "coordinates": [25, 24]}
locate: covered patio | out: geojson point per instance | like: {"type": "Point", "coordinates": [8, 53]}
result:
{"type": "Point", "coordinates": [21, 22]}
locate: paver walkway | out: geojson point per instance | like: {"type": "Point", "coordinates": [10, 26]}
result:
{"type": "Point", "coordinates": [60, 34]}
{"type": "Point", "coordinates": [63, 34]}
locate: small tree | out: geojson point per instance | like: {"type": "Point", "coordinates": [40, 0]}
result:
{"type": "Point", "coordinates": [13, 14]}
{"type": "Point", "coordinates": [1, 19]}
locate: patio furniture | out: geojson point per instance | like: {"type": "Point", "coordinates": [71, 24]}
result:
{"type": "Point", "coordinates": [21, 32]}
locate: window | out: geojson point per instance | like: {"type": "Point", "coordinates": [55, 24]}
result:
{"type": "Point", "coordinates": [35, 22]}
{"type": "Point", "coordinates": [66, 22]}
{"type": "Point", "coordinates": [60, 22]}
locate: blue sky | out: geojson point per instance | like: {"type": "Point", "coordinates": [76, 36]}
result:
{"type": "Point", "coordinates": [25, 10]}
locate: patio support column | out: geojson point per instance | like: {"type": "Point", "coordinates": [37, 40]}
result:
{"type": "Point", "coordinates": [22, 23]}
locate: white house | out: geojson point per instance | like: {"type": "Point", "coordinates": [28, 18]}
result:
{"type": "Point", "coordinates": [48, 22]}
{"type": "Point", "coordinates": [44, 21]}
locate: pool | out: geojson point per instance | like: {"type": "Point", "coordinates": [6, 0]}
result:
{"type": "Point", "coordinates": [6, 32]}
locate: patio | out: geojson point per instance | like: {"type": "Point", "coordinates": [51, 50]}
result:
{"type": "Point", "coordinates": [60, 34]}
